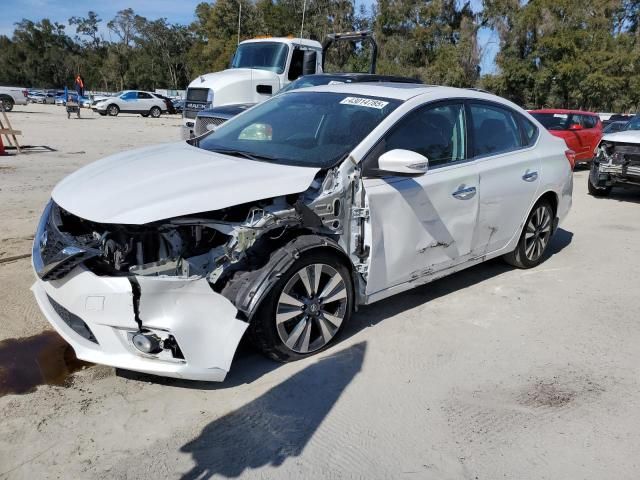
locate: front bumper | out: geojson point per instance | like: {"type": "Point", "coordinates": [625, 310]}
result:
{"type": "Point", "coordinates": [203, 323]}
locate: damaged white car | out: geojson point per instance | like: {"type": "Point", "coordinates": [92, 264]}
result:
{"type": "Point", "coordinates": [283, 221]}
{"type": "Point", "coordinates": [616, 161]}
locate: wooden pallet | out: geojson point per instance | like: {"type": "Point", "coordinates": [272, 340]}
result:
{"type": "Point", "coordinates": [8, 131]}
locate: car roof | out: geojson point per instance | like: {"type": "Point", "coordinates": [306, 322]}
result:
{"type": "Point", "coordinates": [563, 111]}
{"type": "Point", "coordinates": [406, 91]}
{"type": "Point", "coordinates": [362, 77]}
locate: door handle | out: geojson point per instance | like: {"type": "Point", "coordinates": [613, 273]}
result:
{"type": "Point", "coordinates": [465, 193]}
{"type": "Point", "coordinates": [530, 176]}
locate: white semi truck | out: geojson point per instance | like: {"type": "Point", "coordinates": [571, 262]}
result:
{"type": "Point", "coordinates": [259, 68]}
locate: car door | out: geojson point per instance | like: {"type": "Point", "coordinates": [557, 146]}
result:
{"type": "Point", "coordinates": [424, 224]}
{"type": "Point", "coordinates": [503, 145]}
{"type": "Point", "coordinates": [127, 102]}
{"type": "Point", "coordinates": [144, 103]}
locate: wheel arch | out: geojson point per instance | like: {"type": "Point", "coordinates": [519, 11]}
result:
{"type": "Point", "coordinates": [252, 287]}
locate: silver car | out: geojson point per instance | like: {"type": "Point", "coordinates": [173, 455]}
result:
{"type": "Point", "coordinates": [131, 101]}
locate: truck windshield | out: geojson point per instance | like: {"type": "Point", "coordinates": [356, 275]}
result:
{"type": "Point", "coordinates": [263, 55]}
{"type": "Point", "coordinates": [308, 129]}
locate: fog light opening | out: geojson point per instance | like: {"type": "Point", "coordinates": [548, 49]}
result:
{"type": "Point", "coordinates": [147, 342]}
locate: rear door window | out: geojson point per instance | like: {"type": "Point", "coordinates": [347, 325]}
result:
{"type": "Point", "coordinates": [495, 130]}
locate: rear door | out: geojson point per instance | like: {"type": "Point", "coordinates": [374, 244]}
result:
{"type": "Point", "coordinates": [145, 102]}
{"type": "Point", "coordinates": [503, 146]}
{"type": "Point", "coordinates": [421, 225]}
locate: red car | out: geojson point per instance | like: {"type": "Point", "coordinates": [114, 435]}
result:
{"type": "Point", "coordinates": [581, 130]}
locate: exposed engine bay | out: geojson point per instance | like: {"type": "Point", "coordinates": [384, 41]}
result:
{"type": "Point", "coordinates": [211, 245]}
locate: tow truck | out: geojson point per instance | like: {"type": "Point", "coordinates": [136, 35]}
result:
{"type": "Point", "coordinates": [261, 67]}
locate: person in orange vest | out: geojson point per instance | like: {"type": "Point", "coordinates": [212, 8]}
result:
{"type": "Point", "coordinates": [79, 86]}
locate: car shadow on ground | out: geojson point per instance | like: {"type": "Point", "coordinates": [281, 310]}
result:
{"type": "Point", "coordinates": [370, 315]}
{"type": "Point", "coordinates": [249, 365]}
{"type": "Point", "coordinates": [278, 424]}
{"type": "Point", "coordinates": [618, 194]}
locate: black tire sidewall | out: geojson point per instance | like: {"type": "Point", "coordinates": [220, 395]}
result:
{"type": "Point", "coordinates": [263, 327]}
{"type": "Point", "coordinates": [521, 255]}
{"type": "Point", "coordinates": [113, 110]}
{"type": "Point", "coordinates": [8, 103]}
{"type": "Point", "coordinates": [155, 110]}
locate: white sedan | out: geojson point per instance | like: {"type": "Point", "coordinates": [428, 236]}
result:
{"type": "Point", "coordinates": [288, 217]}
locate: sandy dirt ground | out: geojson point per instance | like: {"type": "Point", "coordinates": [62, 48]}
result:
{"type": "Point", "coordinates": [490, 373]}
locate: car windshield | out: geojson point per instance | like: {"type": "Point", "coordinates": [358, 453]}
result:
{"type": "Point", "coordinates": [309, 129]}
{"type": "Point", "coordinates": [553, 121]}
{"type": "Point", "coordinates": [261, 55]}
{"type": "Point", "coordinates": [633, 124]}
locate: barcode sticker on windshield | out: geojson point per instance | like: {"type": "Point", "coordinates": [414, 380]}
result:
{"type": "Point", "coordinates": [364, 102]}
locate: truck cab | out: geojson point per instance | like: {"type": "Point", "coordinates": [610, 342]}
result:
{"type": "Point", "coordinates": [259, 68]}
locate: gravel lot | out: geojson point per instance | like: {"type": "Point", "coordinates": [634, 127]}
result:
{"type": "Point", "coordinates": [490, 373]}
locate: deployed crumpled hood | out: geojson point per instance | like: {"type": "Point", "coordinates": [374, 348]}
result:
{"type": "Point", "coordinates": [628, 136]}
{"type": "Point", "coordinates": [170, 180]}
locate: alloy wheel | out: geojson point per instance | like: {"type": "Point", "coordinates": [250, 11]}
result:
{"type": "Point", "coordinates": [311, 308]}
{"type": "Point", "coordinates": [538, 233]}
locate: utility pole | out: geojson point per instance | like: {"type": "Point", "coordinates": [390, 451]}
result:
{"type": "Point", "coordinates": [239, 17]}
{"type": "Point", "coordinates": [304, 8]}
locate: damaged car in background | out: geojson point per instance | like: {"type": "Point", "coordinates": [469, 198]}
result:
{"type": "Point", "coordinates": [616, 161]}
{"type": "Point", "coordinates": [284, 220]}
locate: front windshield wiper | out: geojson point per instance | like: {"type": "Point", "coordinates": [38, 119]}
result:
{"type": "Point", "coordinates": [243, 154]}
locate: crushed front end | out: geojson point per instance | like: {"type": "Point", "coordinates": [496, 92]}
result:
{"type": "Point", "coordinates": [173, 297]}
{"type": "Point", "coordinates": [616, 163]}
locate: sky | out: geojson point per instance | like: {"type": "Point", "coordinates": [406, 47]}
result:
{"type": "Point", "coordinates": [176, 11]}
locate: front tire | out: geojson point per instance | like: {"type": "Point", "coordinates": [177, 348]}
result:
{"type": "Point", "coordinates": [155, 112]}
{"type": "Point", "coordinates": [113, 110]}
{"type": "Point", "coordinates": [592, 188]}
{"type": "Point", "coordinates": [535, 237]}
{"type": "Point", "coordinates": [306, 309]}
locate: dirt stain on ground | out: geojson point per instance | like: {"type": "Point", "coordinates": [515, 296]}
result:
{"type": "Point", "coordinates": [26, 363]}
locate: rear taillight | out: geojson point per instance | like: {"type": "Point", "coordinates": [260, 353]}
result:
{"type": "Point", "coordinates": [571, 156]}
{"type": "Point", "coordinates": [25, 93]}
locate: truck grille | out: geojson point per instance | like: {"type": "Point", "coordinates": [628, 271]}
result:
{"type": "Point", "coordinates": [202, 124]}
{"type": "Point", "coordinates": [197, 99]}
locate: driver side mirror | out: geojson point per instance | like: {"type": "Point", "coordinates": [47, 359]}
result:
{"type": "Point", "coordinates": [575, 126]}
{"type": "Point", "coordinates": [402, 163]}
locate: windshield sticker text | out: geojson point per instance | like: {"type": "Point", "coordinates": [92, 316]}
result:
{"type": "Point", "coordinates": [364, 102]}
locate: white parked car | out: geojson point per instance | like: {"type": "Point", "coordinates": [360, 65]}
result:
{"type": "Point", "coordinates": [10, 96]}
{"type": "Point", "coordinates": [286, 218]}
{"type": "Point", "coordinates": [617, 160]}
{"type": "Point", "coordinates": [131, 101]}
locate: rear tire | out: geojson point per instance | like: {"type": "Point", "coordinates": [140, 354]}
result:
{"type": "Point", "coordinates": [295, 320]}
{"type": "Point", "coordinates": [155, 112]}
{"type": "Point", "coordinates": [113, 110]}
{"type": "Point", "coordinates": [8, 103]}
{"type": "Point", "coordinates": [535, 237]}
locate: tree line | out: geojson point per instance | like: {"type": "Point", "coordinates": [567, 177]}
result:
{"type": "Point", "coordinates": [552, 53]}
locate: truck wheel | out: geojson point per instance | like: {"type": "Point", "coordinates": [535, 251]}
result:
{"type": "Point", "coordinates": [535, 237]}
{"type": "Point", "coordinates": [306, 309]}
{"type": "Point", "coordinates": [113, 110]}
{"type": "Point", "coordinates": [8, 103]}
{"type": "Point", "coordinates": [592, 188]}
{"type": "Point", "coordinates": [155, 112]}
